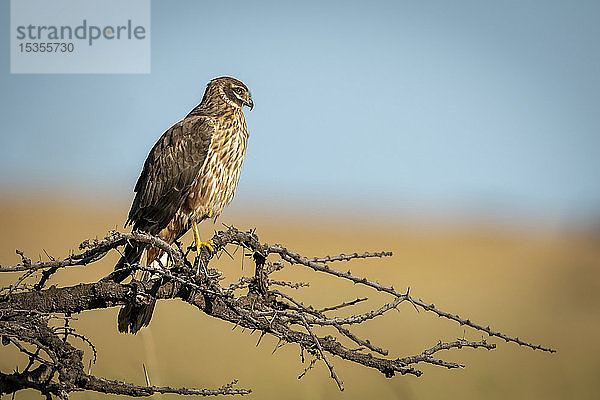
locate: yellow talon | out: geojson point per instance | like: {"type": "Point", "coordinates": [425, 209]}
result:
{"type": "Point", "coordinates": [199, 243]}
{"type": "Point", "coordinates": [208, 243]}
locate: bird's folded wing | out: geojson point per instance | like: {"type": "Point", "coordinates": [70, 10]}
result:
{"type": "Point", "coordinates": [169, 172]}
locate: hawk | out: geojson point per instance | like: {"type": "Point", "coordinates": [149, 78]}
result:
{"type": "Point", "coordinates": [190, 175]}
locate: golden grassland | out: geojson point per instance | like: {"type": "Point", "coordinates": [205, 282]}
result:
{"type": "Point", "coordinates": [539, 286]}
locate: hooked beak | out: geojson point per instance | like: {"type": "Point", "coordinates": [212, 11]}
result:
{"type": "Point", "coordinates": [249, 103]}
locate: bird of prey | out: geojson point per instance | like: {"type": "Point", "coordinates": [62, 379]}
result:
{"type": "Point", "coordinates": [190, 175]}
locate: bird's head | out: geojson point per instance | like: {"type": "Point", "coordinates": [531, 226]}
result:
{"type": "Point", "coordinates": [231, 91]}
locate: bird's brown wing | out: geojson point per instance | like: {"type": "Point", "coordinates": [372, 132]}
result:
{"type": "Point", "coordinates": [169, 172]}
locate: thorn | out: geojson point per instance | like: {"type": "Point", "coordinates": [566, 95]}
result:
{"type": "Point", "coordinates": [260, 338]}
{"type": "Point", "coordinates": [276, 346]}
{"type": "Point", "coordinates": [226, 252]}
{"type": "Point", "coordinates": [49, 256]}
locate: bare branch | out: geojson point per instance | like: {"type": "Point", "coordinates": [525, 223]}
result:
{"type": "Point", "coordinates": [295, 258]}
{"type": "Point", "coordinates": [249, 303]}
{"type": "Point", "coordinates": [96, 250]}
{"type": "Point", "coordinates": [427, 355]}
{"type": "Point", "coordinates": [329, 364]}
{"type": "Point", "coordinates": [345, 304]}
{"type": "Point", "coordinates": [116, 387]}
{"type": "Point", "coordinates": [348, 257]}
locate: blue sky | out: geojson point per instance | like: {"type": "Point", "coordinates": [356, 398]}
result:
{"type": "Point", "coordinates": [479, 106]}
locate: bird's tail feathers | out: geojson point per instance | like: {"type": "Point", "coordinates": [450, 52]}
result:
{"type": "Point", "coordinates": [133, 317]}
{"type": "Point", "coordinates": [131, 255]}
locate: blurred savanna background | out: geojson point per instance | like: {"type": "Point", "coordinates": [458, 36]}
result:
{"type": "Point", "coordinates": [462, 136]}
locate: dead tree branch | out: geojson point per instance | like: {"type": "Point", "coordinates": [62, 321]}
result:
{"type": "Point", "coordinates": [55, 366]}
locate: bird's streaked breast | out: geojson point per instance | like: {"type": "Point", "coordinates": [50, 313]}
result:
{"type": "Point", "coordinates": [219, 176]}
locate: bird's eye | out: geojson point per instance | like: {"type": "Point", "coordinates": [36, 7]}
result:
{"type": "Point", "coordinates": [238, 90]}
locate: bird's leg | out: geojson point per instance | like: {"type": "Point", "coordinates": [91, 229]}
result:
{"type": "Point", "coordinates": [200, 243]}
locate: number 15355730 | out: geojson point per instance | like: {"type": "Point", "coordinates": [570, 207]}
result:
{"type": "Point", "coordinates": [50, 47]}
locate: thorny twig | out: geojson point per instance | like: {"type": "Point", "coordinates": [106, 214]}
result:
{"type": "Point", "coordinates": [295, 258]}
{"type": "Point", "coordinates": [329, 364]}
{"type": "Point", "coordinates": [248, 303]}
{"type": "Point", "coordinates": [344, 304]}
{"type": "Point", "coordinates": [427, 355]}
